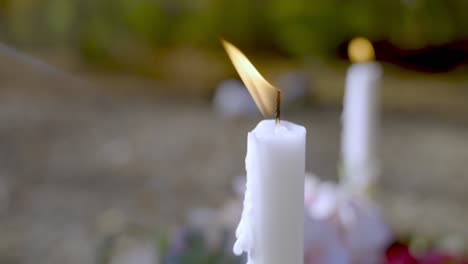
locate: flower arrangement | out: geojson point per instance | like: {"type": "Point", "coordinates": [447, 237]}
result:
{"type": "Point", "coordinates": [340, 228]}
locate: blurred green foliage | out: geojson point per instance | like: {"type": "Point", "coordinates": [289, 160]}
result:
{"type": "Point", "coordinates": [100, 28]}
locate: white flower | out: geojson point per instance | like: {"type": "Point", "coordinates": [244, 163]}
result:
{"type": "Point", "coordinates": [341, 227]}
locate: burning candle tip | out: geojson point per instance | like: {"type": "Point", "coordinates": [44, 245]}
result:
{"type": "Point", "coordinates": [262, 92]}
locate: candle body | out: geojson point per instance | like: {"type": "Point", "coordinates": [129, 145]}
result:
{"type": "Point", "coordinates": [272, 223]}
{"type": "Point", "coordinates": [360, 121]}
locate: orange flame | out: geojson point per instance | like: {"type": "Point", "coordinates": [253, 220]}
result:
{"type": "Point", "coordinates": [262, 92]}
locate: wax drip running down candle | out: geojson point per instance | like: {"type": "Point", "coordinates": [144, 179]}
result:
{"type": "Point", "coordinates": [271, 229]}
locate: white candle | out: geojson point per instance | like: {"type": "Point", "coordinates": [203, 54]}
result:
{"type": "Point", "coordinates": [272, 224]}
{"type": "Point", "coordinates": [360, 121]}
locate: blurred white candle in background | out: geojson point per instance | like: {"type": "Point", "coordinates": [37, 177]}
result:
{"type": "Point", "coordinates": [360, 119]}
{"type": "Point", "coordinates": [271, 229]}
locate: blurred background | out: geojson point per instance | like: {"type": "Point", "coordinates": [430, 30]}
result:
{"type": "Point", "coordinates": [113, 118]}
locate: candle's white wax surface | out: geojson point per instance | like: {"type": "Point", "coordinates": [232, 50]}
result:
{"type": "Point", "coordinates": [360, 123]}
{"type": "Point", "coordinates": [272, 223]}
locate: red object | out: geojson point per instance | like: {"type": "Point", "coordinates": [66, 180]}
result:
{"type": "Point", "coordinates": [436, 258]}
{"type": "Point", "coordinates": [399, 253]}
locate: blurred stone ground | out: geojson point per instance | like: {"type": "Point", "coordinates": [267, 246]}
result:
{"type": "Point", "coordinates": [71, 153]}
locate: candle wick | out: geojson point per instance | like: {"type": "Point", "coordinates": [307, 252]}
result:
{"type": "Point", "coordinates": [278, 106]}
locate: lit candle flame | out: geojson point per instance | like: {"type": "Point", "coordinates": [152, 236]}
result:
{"type": "Point", "coordinates": [360, 50]}
{"type": "Point", "coordinates": [263, 93]}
